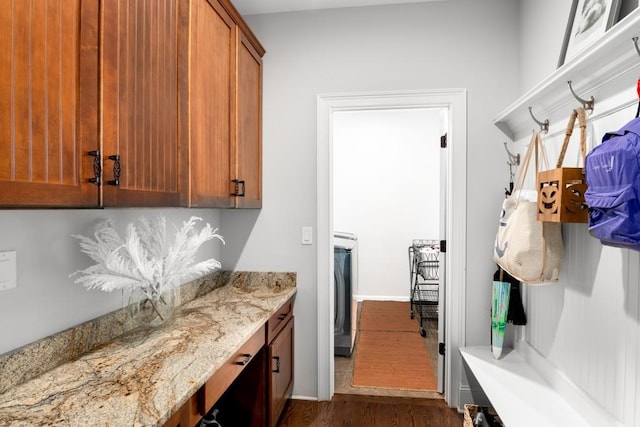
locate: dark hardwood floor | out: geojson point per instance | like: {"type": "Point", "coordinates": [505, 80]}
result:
{"type": "Point", "coordinates": [347, 410]}
{"type": "Point", "coordinates": [365, 407]}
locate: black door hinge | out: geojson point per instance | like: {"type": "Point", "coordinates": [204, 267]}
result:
{"type": "Point", "coordinates": [441, 349]}
{"type": "Point", "coordinates": [443, 141]}
{"type": "Point", "coordinates": [443, 246]}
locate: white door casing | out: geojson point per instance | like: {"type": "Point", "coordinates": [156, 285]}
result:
{"type": "Point", "coordinates": [455, 101]}
{"type": "Point", "coordinates": [444, 129]}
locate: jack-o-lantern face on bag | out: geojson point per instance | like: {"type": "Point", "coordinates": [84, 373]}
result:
{"type": "Point", "coordinates": [575, 202]}
{"type": "Point", "coordinates": [549, 197]}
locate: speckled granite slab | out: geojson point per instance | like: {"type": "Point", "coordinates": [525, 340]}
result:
{"type": "Point", "coordinates": [139, 378]}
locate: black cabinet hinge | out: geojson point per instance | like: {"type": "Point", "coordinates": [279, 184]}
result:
{"type": "Point", "coordinates": [441, 349]}
{"type": "Point", "coordinates": [443, 246]}
{"type": "Point", "coordinates": [443, 141]}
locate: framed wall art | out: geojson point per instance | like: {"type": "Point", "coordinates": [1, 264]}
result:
{"type": "Point", "coordinates": [588, 21]}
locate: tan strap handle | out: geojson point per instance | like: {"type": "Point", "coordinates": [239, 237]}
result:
{"type": "Point", "coordinates": [582, 123]}
{"type": "Point", "coordinates": [535, 148]}
{"type": "Point", "coordinates": [524, 166]}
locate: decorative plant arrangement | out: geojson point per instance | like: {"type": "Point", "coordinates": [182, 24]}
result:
{"type": "Point", "coordinates": [145, 263]}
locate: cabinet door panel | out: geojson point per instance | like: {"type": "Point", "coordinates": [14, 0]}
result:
{"type": "Point", "coordinates": [281, 376]}
{"type": "Point", "coordinates": [48, 102]}
{"type": "Point", "coordinates": [211, 69]}
{"type": "Point", "coordinates": [140, 100]}
{"type": "Point", "coordinates": [249, 121]}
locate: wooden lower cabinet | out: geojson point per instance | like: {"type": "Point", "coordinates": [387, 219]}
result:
{"type": "Point", "coordinates": [181, 417]}
{"type": "Point", "coordinates": [281, 372]}
{"type": "Point", "coordinates": [244, 403]}
{"type": "Point", "coordinates": [252, 387]}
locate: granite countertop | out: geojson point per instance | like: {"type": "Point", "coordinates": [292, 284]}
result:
{"type": "Point", "coordinates": [143, 377]}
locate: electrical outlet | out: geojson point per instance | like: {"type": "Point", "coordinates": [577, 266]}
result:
{"type": "Point", "coordinates": [8, 276]}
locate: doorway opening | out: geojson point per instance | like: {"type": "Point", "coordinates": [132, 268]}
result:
{"type": "Point", "coordinates": [454, 102]}
{"type": "Point", "coordinates": [387, 192]}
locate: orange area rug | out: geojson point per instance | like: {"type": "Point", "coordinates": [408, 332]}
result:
{"type": "Point", "coordinates": [391, 358]}
{"type": "Point", "coordinates": [391, 316]}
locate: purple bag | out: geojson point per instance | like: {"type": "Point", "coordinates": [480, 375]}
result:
{"type": "Point", "coordinates": [612, 170]}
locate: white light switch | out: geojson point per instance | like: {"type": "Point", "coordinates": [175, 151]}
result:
{"type": "Point", "coordinates": [307, 235]}
{"type": "Point", "coordinates": [7, 270]}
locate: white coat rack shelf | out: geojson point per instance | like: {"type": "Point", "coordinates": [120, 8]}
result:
{"type": "Point", "coordinates": [606, 70]}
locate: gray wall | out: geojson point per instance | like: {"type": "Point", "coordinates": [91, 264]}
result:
{"type": "Point", "coordinates": [455, 44]}
{"type": "Point", "coordinates": [46, 300]}
{"type": "Point", "coordinates": [542, 24]}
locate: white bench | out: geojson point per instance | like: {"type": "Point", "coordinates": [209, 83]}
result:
{"type": "Point", "coordinates": [524, 395]}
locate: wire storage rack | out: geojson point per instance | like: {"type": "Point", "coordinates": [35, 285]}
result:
{"type": "Point", "coordinates": [424, 280]}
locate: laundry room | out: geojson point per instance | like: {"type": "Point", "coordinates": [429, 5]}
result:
{"type": "Point", "coordinates": [386, 196]}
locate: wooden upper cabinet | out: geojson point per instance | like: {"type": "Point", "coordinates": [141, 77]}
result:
{"type": "Point", "coordinates": [129, 103]}
{"type": "Point", "coordinates": [210, 91]}
{"type": "Point", "coordinates": [49, 101]}
{"type": "Point", "coordinates": [249, 123]}
{"type": "Point", "coordinates": [142, 44]}
{"type": "Point", "coordinates": [225, 104]}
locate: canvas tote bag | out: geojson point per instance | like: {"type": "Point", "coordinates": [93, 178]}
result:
{"type": "Point", "coordinates": [529, 250]}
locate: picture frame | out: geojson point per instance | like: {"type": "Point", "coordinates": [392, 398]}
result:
{"type": "Point", "coordinates": [588, 21]}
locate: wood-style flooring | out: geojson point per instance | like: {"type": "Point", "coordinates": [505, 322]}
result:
{"type": "Point", "coordinates": [370, 411]}
{"type": "Point", "coordinates": [372, 407]}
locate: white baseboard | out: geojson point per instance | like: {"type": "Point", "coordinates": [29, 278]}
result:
{"type": "Point", "coordinates": [465, 396]}
{"type": "Point", "coordinates": [298, 397]}
{"type": "Point", "coordinates": [469, 395]}
{"type": "Point", "coordinates": [381, 298]}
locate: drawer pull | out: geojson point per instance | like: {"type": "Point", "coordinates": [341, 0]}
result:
{"type": "Point", "coordinates": [283, 316]}
{"type": "Point", "coordinates": [277, 368]}
{"type": "Point", "coordinates": [97, 167]}
{"type": "Point", "coordinates": [246, 357]}
{"type": "Point", "coordinates": [237, 184]}
{"type": "Point", "coordinates": [116, 170]}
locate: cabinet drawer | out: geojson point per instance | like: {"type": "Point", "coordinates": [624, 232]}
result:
{"type": "Point", "coordinates": [278, 320]}
{"type": "Point", "coordinates": [181, 417]}
{"type": "Point", "coordinates": [222, 379]}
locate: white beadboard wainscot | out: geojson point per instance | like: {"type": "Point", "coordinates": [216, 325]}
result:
{"type": "Point", "coordinates": [583, 333]}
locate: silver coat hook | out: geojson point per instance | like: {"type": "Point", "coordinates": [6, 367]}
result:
{"type": "Point", "coordinates": [587, 105]}
{"type": "Point", "coordinates": [635, 43]}
{"type": "Point", "coordinates": [544, 126]}
{"type": "Point", "coordinates": [514, 159]}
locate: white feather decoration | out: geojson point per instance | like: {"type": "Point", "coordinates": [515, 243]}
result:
{"type": "Point", "coordinates": [144, 259]}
